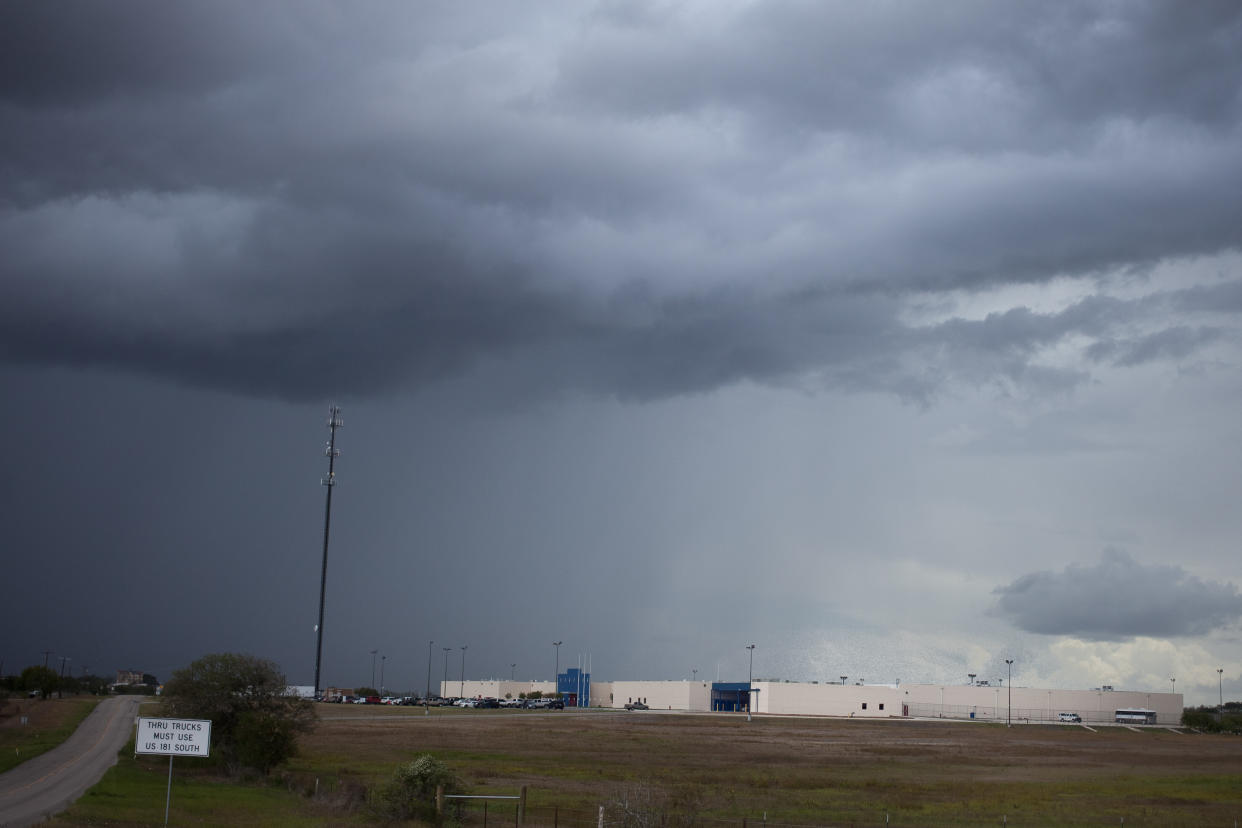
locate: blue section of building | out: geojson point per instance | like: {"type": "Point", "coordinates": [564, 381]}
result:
{"type": "Point", "coordinates": [574, 687]}
{"type": "Point", "coordinates": [730, 696]}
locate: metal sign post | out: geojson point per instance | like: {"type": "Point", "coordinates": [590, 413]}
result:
{"type": "Point", "coordinates": [173, 737]}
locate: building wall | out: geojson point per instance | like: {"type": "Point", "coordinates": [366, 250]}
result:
{"type": "Point", "coordinates": [694, 696]}
{"type": "Point", "coordinates": [1034, 704]}
{"type": "Point", "coordinates": [797, 698]}
{"type": "Point", "coordinates": [492, 688]}
{"type": "Point", "coordinates": [129, 677]}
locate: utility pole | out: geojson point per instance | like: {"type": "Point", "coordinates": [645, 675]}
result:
{"type": "Point", "coordinates": [556, 671]}
{"type": "Point", "coordinates": [46, 653]}
{"type": "Point", "coordinates": [373, 652]}
{"type": "Point", "coordinates": [463, 670]}
{"type": "Point", "coordinates": [334, 422]}
{"type": "Point", "coordinates": [444, 683]}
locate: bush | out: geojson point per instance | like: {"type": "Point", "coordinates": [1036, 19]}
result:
{"type": "Point", "coordinates": [411, 793]}
{"type": "Point", "coordinates": [254, 724]}
{"type": "Point", "coordinates": [644, 805]}
{"type": "Point", "coordinates": [264, 740]}
{"type": "Point", "coordinates": [1209, 720]}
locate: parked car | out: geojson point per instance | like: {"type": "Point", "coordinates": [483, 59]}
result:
{"type": "Point", "coordinates": [636, 706]}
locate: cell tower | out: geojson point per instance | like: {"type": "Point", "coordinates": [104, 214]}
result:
{"type": "Point", "coordinates": [334, 422]}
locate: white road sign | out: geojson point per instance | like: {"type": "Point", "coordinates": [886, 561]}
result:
{"type": "Point", "coordinates": [174, 737]}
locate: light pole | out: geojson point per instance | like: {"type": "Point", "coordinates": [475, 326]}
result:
{"type": "Point", "coordinates": [427, 692]}
{"type": "Point", "coordinates": [750, 691]}
{"type": "Point", "coordinates": [383, 661]}
{"type": "Point", "coordinates": [843, 678]}
{"type": "Point", "coordinates": [694, 673]}
{"type": "Point", "coordinates": [512, 667]}
{"type": "Point", "coordinates": [556, 672]}
{"type": "Point", "coordinates": [1220, 688]}
{"type": "Point", "coordinates": [971, 676]}
{"type": "Point", "coordinates": [463, 671]}
{"type": "Point", "coordinates": [373, 652]}
{"type": "Point", "coordinates": [1009, 705]}
{"type": "Point", "coordinates": [444, 683]}
{"type": "Point", "coordinates": [1174, 681]}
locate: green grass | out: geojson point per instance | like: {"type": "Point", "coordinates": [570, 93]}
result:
{"type": "Point", "coordinates": [135, 790]}
{"type": "Point", "coordinates": [22, 743]}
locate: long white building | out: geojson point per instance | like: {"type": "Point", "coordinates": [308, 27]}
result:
{"type": "Point", "coordinates": [947, 701]}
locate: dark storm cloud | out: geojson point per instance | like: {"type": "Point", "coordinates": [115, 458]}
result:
{"type": "Point", "coordinates": [635, 200]}
{"type": "Point", "coordinates": [1118, 598]}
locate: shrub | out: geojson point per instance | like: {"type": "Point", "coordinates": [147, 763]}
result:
{"type": "Point", "coordinates": [645, 805]}
{"type": "Point", "coordinates": [263, 740]}
{"type": "Point", "coordinates": [411, 792]}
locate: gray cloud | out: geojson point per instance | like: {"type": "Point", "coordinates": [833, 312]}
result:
{"type": "Point", "coordinates": [1118, 598]}
{"type": "Point", "coordinates": [627, 201]}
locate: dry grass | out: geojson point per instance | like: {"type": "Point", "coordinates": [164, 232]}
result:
{"type": "Point", "coordinates": [48, 723]}
{"type": "Point", "coordinates": [803, 770]}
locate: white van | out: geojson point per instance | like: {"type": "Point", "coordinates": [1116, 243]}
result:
{"type": "Point", "coordinates": [1069, 717]}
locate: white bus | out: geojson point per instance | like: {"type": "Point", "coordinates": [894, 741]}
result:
{"type": "Point", "coordinates": [1135, 715]}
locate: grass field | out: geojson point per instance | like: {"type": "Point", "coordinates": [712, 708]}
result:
{"type": "Point", "coordinates": [719, 768]}
{"type": "Point", "coordinates": [48, 723]}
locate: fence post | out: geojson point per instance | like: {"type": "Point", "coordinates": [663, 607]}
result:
{"type": "Point", "coordinates": [522, 807]}
{"type": "Point", "coordinates": [439, 800]}
{"type": "Point", "coordinates": [601, 816]}
{"type": "Point", "coordinates": [485, 813]}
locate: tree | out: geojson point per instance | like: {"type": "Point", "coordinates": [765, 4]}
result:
{"type": "Point", "coordinates": [40, 678]}
{"type": "Point", "coordinates": [254, 722]}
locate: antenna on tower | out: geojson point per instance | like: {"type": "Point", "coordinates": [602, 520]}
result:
{"type": "Point", "coordinates": [334, 422]}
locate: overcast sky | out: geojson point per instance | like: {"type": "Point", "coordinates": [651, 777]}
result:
{"type": "Point", "coordinates": [896, 338]}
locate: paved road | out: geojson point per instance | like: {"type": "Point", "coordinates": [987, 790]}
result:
{"type": "Point", "coordinates": [49, 783]}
